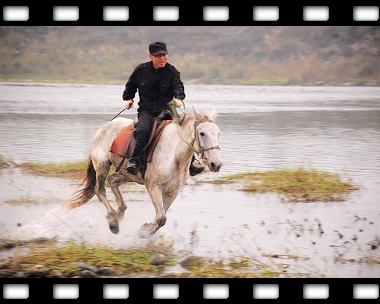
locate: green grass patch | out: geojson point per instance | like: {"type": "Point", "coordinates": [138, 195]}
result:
{"type": "Point", "coordinates": [23, 200]}
{"type": "Point", "coordinates": [296, 185]}
{"type": "Point", "coordinates": [72, 258]}
{"type": "Point", "coordinates": [65, 260]}
{"type": "Point", "coordinates": [3, 162]}
{"type": "Point", "coordinates": [74, 170]}
{"type": "Point", "coordinates": [68, 260]}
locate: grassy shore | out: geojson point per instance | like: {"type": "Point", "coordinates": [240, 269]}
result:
{"type": "Point", "coordinates": [294, 185]}
{"type": "Point", "coordinates": [46, 259]}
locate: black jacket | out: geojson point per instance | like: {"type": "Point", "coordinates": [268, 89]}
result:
{"type": "Point", "coordinates": [156, 87]}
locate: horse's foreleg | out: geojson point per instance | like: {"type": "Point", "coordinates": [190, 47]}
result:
{"type": "Point", "coordinates": [100, 191]}
{"type": "Point", "coordinates": [156, 197]}
{"type": "Point", "coordinates": [115, 180]}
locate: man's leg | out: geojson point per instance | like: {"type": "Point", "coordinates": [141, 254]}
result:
{"type": "Point", "coordinates": [141, 137]}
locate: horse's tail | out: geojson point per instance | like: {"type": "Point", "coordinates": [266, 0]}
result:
{"type": "Point", "coordinates": [86, 189]}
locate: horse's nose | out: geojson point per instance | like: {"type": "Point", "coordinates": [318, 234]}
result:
{"type": "Point", "coordinates": [215, 167]}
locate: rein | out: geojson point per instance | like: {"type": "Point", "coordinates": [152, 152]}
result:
{"type": "Point", "coordinates": [174, 111]}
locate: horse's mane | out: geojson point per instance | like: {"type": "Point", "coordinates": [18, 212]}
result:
{"type": "Point", "coordinates": [191, 117]}
{"type": "Point", "coordinates": [187, 118]}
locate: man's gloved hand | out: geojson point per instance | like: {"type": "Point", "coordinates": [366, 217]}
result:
{"type": "Point", "coordinates": [128, 104]}
{"type": "Point", "coordinates": [178, 102]}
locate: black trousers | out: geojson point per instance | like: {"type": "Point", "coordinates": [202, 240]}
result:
{"type": "Point", "coordinates": [144, 126]}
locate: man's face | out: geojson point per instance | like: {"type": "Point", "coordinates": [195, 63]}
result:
{"type": "Point", "coordinates": [159, 60]}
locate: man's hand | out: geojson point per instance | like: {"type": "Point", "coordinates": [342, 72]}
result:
{"type": "Point", "coordinates": [178, 102]}
{"type": "Point", "coordinates": [128, 104]}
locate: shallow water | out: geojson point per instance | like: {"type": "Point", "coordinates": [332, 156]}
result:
{"type": "Point", "coordinates": [336, 129]}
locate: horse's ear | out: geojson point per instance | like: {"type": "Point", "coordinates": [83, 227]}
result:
{"type": "Point", "coordinates": [214, 113]}
{"type": "Point", "coordinates": [197, 114]}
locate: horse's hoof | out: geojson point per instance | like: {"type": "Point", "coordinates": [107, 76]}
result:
{"type": "Point", "coordinates": [114, 229]}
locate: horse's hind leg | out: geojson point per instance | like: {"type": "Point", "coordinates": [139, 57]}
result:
{"type": "Point", "coordinates": [115, 180]}
{"type": "Point", "coordinates": [102, 170]}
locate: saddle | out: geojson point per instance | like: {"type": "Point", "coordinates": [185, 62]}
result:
{"type": "Point", "coordinates": [123, 142]}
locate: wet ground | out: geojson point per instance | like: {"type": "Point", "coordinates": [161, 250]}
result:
{"type": "Point", "coordinates": [217, 221]}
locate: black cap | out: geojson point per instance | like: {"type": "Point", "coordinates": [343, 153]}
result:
{"type": "Point", "coordinates": [158, 47]}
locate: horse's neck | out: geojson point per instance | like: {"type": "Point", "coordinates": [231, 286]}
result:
{"type": "Point", "coordinates": [186, 133]}
{"type": "Point", "coordinates": [186, 129]}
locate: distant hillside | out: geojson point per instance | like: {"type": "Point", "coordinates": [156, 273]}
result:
{"type": "Point", "coordinates": [254, 55]}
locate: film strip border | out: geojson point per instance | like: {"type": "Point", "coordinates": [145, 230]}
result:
{"type": "Point", "coordinates": [199, 289]}
{"type": "Point", "coordinates": [192, 289]}
{"type": "Point", "coordinates": [190, 14]}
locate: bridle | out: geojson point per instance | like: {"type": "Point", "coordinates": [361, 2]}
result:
{"type": "Point", "coordinates": [196, 132]}
{"type": "Point", "coordinates": [177, 117]}
{"type": "Point", "coordinates": [196, 140]}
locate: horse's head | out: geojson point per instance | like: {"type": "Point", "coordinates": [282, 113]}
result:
{"type": "Point", "coordinates": [207, 138]}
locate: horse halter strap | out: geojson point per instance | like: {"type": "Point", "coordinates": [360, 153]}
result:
{"type": "Point", "coordinates": [202, 150]}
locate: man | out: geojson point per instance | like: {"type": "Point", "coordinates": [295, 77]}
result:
{"type": "Point", "coordinates": [158, 82]}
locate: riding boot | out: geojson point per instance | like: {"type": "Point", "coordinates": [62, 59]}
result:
{"type": "Point", "coordinates": [194, 170]}
{"type": "Point", "coordinates": [134, 162]}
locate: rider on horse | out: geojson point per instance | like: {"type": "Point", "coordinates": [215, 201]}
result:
{"type": "Point", "coordinates": [158, 83]}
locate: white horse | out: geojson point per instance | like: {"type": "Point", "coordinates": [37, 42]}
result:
{"type": "Point", "coordinates": [167, 171]}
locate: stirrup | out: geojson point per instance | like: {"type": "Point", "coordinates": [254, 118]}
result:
{"type": "Point", "coordinates": [133, 166]}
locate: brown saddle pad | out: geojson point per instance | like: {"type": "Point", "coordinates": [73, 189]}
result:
{"type": "Point", "coordinates": [123, 142]}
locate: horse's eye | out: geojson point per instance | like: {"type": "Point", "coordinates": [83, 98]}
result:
{"type": "Point", "coordinates": [202, 134]}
